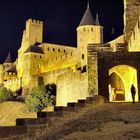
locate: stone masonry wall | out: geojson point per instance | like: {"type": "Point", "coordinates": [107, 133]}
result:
{"type": "Point", "coordinates": [131, 12]}
{"type": "Point", "coordinates": [92, 72]}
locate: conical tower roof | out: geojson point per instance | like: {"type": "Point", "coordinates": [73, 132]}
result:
{"type": "Point", "coordinates": [97, 20]}
{"type": "Point", "coordinates": [87, 18]}
{"type": "Point", "coordinates": [8, 59]}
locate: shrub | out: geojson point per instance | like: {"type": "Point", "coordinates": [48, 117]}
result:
{"type": "Point", "coordinates": [5, 94]}
{"type": "Point", "coordinates": [38, 99]}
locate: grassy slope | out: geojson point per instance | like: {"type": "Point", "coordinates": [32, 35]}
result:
{"type": "Point", "coordinates": [9, 111]}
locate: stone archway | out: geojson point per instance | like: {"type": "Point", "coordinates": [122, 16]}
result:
{"type": "Point", "coordinates": [120, 79]}
{"type": "Point", "coordinates": [116, 88]}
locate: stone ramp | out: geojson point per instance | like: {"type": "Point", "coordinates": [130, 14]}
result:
{"type": "Point", "coordinates": [87, 119]}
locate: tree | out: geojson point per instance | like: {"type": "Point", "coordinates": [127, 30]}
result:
{"type": "Point", "coordinates": [38, 99]}
{"type": "Point", "coordinates": [5, 94]}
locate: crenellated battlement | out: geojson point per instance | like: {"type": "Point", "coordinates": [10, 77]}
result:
{"type": "Point", "coordinates": [33, 21]}
{"type": "Point", "coordinates": [65, 57]}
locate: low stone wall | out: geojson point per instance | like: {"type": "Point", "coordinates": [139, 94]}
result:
{"type": "Point", "coordinates": [13, 85]}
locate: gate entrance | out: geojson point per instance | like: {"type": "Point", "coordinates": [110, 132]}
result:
{"type": "Point", "coordinates": [121, 78]}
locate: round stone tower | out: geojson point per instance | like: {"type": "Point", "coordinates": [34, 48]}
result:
{"type": "Point", "coordinates": [88, 32]}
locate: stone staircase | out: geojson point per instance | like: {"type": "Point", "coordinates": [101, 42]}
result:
{"type": "Point", "coordinates": [46, 122]}
{"type": "Point", "coordinates": [88, 119]}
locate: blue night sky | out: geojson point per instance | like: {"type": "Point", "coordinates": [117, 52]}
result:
{"type": "Point", "coordinates": [60, 17]}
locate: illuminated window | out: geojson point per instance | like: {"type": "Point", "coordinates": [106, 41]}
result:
{"type": "Point", "coordinates": [82, 56]}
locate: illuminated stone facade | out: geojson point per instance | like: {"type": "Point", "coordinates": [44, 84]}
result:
{"type": "Point", "coordinates": [78, 72]}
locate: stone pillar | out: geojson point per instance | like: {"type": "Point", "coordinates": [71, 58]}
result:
{"type": "Point", "coordinates": [92, 72]}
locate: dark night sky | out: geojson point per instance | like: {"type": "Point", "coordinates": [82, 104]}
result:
{"type": "Point", "coordinates": [60, 17]}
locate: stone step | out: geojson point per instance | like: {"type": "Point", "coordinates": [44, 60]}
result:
{"type": "Point", "coordinates": [49, 114]}
{"type": "Point", "coordinates": [76, 105]}
{"type": "Point", "coordinates": [89, 100]}
{"type": "Point", "coordinates": [31, 121]}
{"type": "Point", "coordinates": [82, 101]}
{"type": "Point", "coordinates": [9, 131]}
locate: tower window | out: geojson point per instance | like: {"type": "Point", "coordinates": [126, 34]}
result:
{"type": "Point", "coordinates": [84, 29]}
{"type": "Point", "coordinates": [92, 29]}
{"type": "Point", "coordinates": [48, 49]}
{"type": "Point", "coordinates": [40, 56]}
{"type": "Point", "coordinates": [82, 56]}
{"type": "Point", "coordinates": [58, 50]}
{"type": "Point", "coordinates": [53, 49]}
{"type": "Point", "coordinates": [35, 56]}
{"type": "Point", "coordinates": [64, 51]}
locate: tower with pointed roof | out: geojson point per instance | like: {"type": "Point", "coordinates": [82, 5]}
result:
{"type": "Point", "coordinates": [89, 31]}
{"type": "Point", "coordinates": [8, 62]}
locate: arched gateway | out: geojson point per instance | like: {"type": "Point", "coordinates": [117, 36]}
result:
{"type": "Point", "coordinates": [112, 73]}
{"type": "Point", "coordinates": [121, 77]}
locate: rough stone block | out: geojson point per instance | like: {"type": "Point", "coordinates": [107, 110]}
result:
{"type": "Point", "coordinates": [12, 131]}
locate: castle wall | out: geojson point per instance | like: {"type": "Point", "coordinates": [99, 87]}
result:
{"type": "Point", "coordinates": [54, 50]}
{"type": "Point", "coordinates": [61, 62]}
{"type": "Point", "coordinates": [134, 42]}
{"type": "Point", "coordinates": [131, 12]}
{"type": "Point", "coordinates": [13, 85]}
{"type": "Point", "coordinates": [71, 86]}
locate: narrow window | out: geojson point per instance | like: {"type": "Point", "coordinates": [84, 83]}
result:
{"type": "Point", "coordinates": [35, 56]}
{"type": "Point", "coordinates": [58, 50]}
{"type": "Point", "coordinates": [64, 51]}
{"type": "Point", "coordinates": [82, 56]}
{"type": "Point", "coordinates": [92, 29]}
{"type": "Point", "coordinates": [40, 56]}
{"type": "Point", "coordinates": [48, 49]}
{"type": "Point", "coordinates": [53, 49]}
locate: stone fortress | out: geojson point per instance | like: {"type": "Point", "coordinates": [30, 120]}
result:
{"type": "Point", "coordinates": [93, 68]}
